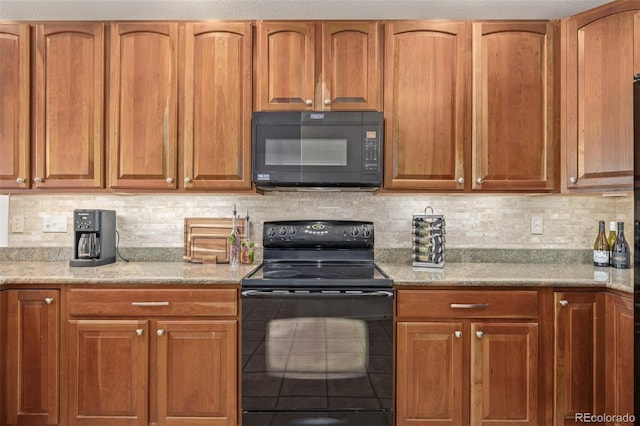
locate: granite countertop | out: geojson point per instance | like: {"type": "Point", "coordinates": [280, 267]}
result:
{"type": "Point", "coordinates": [121, 273]}
{"type": "Point", "coordinates": [511, 274]}
{"type": "Point", "coordinates": [453, 274]}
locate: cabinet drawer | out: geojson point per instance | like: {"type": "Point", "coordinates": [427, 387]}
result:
{"type": "Point", "coordinates": [130, 302]}
{"type": "Point", "coordinates": [467, 304]}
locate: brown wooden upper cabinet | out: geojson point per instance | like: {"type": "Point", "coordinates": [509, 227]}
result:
{"type": "Point", "coordinates": [306, 65]}
{"type": "Point", "coordinates": [143, 117]}
{"type": "Point", "coordinates": [216, 124]}
{"type": "Point", "coordinates": [601, 54]}
{"type": "Point", "coordinates": [426, 84]}
{"type": "Point", "coordinates": [69, 106]}
{"type": "Point", "coordinates": [14, 106]}
{"type": "Point", "coordinates": [513, 106]}
{"type": "Point", "coordinates": [68, 111]}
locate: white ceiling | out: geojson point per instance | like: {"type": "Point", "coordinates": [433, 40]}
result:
{"type": "Point", "coordinates": [290, 9]}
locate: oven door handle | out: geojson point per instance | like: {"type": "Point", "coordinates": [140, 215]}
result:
{"type": "Point", "coordinates": [322, 293]}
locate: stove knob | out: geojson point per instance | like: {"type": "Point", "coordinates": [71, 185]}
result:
{"type": "Point", "coordinates": [366, 232]}
{"type": "Point", "coordinates": [354, 231]}
{"type": "Point", "coordinates": [293, 230]}
{"type": "Point", "coordinates": [271, 232]}
{"type": "Point", "coordinates": [282, 231]}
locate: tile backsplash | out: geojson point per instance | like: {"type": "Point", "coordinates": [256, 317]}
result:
{"type": "Point", "coordinates": [473, 220]}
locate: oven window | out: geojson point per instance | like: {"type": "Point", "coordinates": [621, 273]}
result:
{"type": "Point", "coordinates": [317, 348]}
{"type": "Point", "coordinates": [305, 152]}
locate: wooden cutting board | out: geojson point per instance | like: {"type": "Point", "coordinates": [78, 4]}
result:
{"type": "Point", "coordinates": [206, 239]}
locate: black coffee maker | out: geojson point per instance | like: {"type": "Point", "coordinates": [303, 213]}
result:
{"type": "Point", "coordinates": [94, 239]}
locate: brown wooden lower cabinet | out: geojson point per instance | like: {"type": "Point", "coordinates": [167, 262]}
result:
{"type": "Point", "coordinates": [619, 358]}
{"type": "Point", "coordinates": [470, 358]}
{"type": "Point", "coordinates": [31, 365]}
{"type": "Point", "coordinates": [165, 360]}
{"type": "Point", "coordinates": [579, 356]}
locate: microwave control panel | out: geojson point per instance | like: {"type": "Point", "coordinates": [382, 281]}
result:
{"type": "Point", "coordinates": [371, 151]}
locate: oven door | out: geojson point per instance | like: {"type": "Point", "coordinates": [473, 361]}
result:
{"type": "Point", "coordinates": [317, 357]}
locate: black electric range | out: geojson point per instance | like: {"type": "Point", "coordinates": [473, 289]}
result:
{"type": "Point", "coordinates": [317, 328]}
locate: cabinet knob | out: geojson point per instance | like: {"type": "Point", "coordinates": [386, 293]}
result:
{"type": "Point", "coordinates": [573, 180]}
{"type": "Point", "coordinates": [309, 102]}
{"type": "Point", "coordinates": [327, 101]}
{"type": "Point", "coordinates": [169, 180]}
{"type": "Point", "coordinates": [461, 180]}
{"type": "Point", "coordinates": [479, 334]}
{"type": "Point", "coordinates": [37, 179]}
{"type": "Point", "coordinates": [457, 333]}
{"type": "Point", "coordinates": [480, 180]}
{"type": "Point", "coordinates": [160, 332]}
{"type": "Point", "coordinates": [20, 180]}
{"type": "Point", "coordinates": [48, 300]}
{"type": "Point", "coordinates": [564, 303]}
{"type": "Point", "coordinates": [187, 180]}
{"type": "Point", "coordinates": [139, 331]}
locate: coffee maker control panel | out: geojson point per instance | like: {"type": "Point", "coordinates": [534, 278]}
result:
{"type": "Point", "coordinates": [86, 221]}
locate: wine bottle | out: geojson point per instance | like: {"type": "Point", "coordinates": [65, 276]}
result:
{"type": "Point", "coordinates": [620, 250]}
{"type": "Point", "coordinates": [611, 239]}
{"type": "Point", "coordinates": [601, 247]}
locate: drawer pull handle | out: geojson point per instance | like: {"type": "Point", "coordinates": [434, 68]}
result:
{"type": "Point", "coordinates": [139, 331]}
{"type": "Point", "coordinates": [564, 303]}
{"type": "Point", "coordinates": [479, 334]}
{"type": "Point", "coordinates": [457, 333]}
{"type": "Point", "coordinates": [469, 305]}
{"type": "Point", "coordinates": [160, 332]}
{"type": "Point", "coordinates": [48, 300]}
{"type": "Point", "coordinates": [150, 303]}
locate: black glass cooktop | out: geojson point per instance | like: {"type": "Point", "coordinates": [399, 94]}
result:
{"type": "Point", "coordinates": [299, 274]}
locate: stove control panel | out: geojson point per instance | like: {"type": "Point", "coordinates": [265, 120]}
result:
{"type": "Point", "coordinates": [329, 234]}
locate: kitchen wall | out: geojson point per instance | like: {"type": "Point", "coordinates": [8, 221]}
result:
{"type": "Point", "coordinates": [473, 220]}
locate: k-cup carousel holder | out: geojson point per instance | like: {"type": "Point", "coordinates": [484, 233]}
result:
{"type": "Point", "coordinates": [428, 235]}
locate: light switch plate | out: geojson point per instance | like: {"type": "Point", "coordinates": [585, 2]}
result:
{"type": "Point", "coordinates": [54, 223]}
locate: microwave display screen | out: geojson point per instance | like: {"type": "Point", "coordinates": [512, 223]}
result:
{"type": "Point", "coordinates": [305, 152]}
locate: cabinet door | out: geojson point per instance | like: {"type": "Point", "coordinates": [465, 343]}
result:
{"type": "Point", "coordinates": [69, 141]}
{"type": "Point", "coordinates": [513, 100]}
{"type": "Point", "coordinates": [429, 377]}
{"type": "Point", "coordinates": [14, 106]}
{"type": "Point", "coordinates": [351, 67]}
{"type": "Point", "coordinates": [579, 363]}
{"type": "Point", "coordinates": [425, 104]}
{"type": "Point", "coordinates": [504, 373]}
{"type": "Point", "coordinates": [32, 364]}
{"type": "Point", "coordinates": [108, 372]}
{"type": "Point", "coordinates": [143, 105]}
{"type": "Point", "coordinates": [197, 373]}
{"type": "Point", "coordinates": [285, 69]}
{"type": "Point", "coordinates": [602, 55]}
{"type": "Point", "coordinates": [619, 355]}
{"type": "Point", "coordinates": [217, 105]}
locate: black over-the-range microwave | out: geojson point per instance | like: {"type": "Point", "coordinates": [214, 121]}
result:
{"type": "Point", "coordinates": [317, 149]}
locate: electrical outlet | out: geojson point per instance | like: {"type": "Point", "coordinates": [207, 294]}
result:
{"type": "Point", "coordinates": [54, 223]}
{"type": "Point", "coordinates": [17, 223]}
{"type": "Point", "coordinates": [536, 224]}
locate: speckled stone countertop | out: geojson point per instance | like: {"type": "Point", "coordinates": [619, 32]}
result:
{"type": "Point", "coordinates": [170, 273]}
{"type": "Point", "coordinates": [511, 274]}
{"type": "Point", "coordinates": [453, 274]}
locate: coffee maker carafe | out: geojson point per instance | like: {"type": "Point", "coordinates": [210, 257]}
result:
{"type": "Point", "coordinates": [94, 237]}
